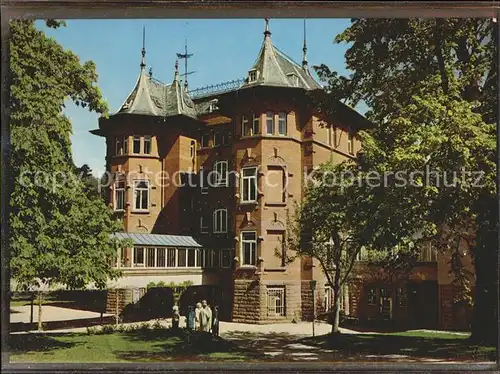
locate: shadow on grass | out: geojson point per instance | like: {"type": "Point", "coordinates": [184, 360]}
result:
{"type": "Point", "coordinates": [182, 345]}
{"type": "Point", "coordinates": [23, 343]}
{"type": "Point", "coordinates": [411, 346]}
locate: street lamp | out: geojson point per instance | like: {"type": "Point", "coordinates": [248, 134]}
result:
{"type": "Point", "coordinates": [312, 284]}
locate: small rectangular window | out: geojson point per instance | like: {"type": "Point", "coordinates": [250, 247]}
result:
{"type": "Point", "coordinates": [191, 258]}
{"type": "Point", "coordinates": [249, 185]}
{"type": "Point", "coordinates": [160, 257]}
{"type": "Point", "coordinates": [205, 138]}
{"type": "Point", "coordinates": [171, 263]}
{"type": "Point", "coordinates": [220, 221]}
{"type": "Point", "coordinates": [220, 174]}
{"type": "Point", "coordinates": [217, 139]}
{"type": "Point", "coordinates": [203, 226]}
{"type": "Point", "coordinates": [270, 123]}
{"type": "Point", "coordinates": [275, 301]}
{"type": "Point", "coordinates": [125, 145]}
{"type": "Point", "coordinates": [282, 130]}
{"type": "Point", "coordinates": [141, 195]}
{"type": "Point", "coordinates": [350, 144]}
{"type": "Point", "coordinates": [245, 127]}
{"type": "Point", "coordinates": [138, 257]}
{"type": "Point", "coordinates": [402, 296]}
{"type": "Point", "coordinates": [181, 258]}
{"type": "Point", "coordinates": [137, 144]}
{"type": "Point", "coordinates": [150, 257]}
{"type": "Point", "coordinates": [120, 195]}
{"type": "Point", "coordinates": [252, 76]}
{"type": "Point", "coordinates": [147, 144]}
{"type": "Point", "coordinates": [255, 124]}
{"type": "Point", "coordinates": [249, 247]}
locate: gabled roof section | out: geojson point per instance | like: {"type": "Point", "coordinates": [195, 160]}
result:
{"type": "Point", "coordinates": [274, 68]}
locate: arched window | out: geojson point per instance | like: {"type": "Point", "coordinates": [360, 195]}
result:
{"type": "Point", "coordinates": [220, 221]}
{"type": "Point", "coordinates": [220, 174]}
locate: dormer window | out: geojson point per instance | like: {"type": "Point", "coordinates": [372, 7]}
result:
{"type": "Point", "coordinates": [294, 79]}
{"type": "Point", "coordinates": [212, 106]}
{"type": "Point", "coordinates": [252, 76]}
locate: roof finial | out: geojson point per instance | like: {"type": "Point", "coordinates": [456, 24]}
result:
{"type": "Point", "coordinates": [267, 32]}
{"type": "Point", "coordinates": [176, 76]}
{"type": "Point", "coordinates": [143, 52]}
{"type": "Point", "coordinates": [304, 49]}
{"type": "Point", "coordinates": [150, 72]}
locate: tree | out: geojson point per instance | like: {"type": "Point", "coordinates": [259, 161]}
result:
{"type": "Point", "coordinates": [59, 234]}
{"type": "Point", "coordinates": [431, 88]}
{"type": "Point", "coordinates": [329, 228]}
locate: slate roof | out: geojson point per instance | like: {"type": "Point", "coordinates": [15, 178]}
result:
{"type": "Point", "coordinates": [159, 239]}
{"type": "Point", "coordinates": [275, 68]}
{"type": "Point", "coordinates": [154, 98]}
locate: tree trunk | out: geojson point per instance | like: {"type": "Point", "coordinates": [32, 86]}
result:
{"type": "Point", "coordinates": [336, 298]}
{"type": "Point", "coordinates": [40, 327]}
{"type": "Point", "coordinates": [485, 318]}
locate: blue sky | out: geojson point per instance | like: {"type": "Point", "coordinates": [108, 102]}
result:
{"type": "Point", "coordinates": [224, 49]}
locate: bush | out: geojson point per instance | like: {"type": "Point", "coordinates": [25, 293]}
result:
{"type": "Point", "coordinates": [108, 329]}
{"type": "Point", "coordinates": [91, 330]}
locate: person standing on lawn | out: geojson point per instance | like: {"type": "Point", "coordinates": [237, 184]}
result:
{"type": "Point", "coordinates": [205, 317]}
{"type": "Point", "coordinates": [175, 317]}
{"type": "Point", "coordinates": [190, 323]}
{"type": "Point", "coordinates": [215, 325]}
{"type": "Point", "coordinates": [197, 312]}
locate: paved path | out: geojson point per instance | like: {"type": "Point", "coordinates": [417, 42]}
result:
{"type": "Point", "coordinates": [50, 313]}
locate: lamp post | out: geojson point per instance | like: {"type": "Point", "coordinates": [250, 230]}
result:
{"type": "Point", "coordinates": [312, 284]}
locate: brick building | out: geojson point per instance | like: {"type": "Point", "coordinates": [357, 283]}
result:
{"type": "Point", "coordinates": [204, 181]}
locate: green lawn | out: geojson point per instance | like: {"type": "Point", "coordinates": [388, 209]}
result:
{"type": "Point", "coordinates": [414, 344]}
{"type": "Point", "coordinates": [132, 346]}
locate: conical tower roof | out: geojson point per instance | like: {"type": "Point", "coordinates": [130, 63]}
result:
{"type": "Point", "coordinates": [274, 68]}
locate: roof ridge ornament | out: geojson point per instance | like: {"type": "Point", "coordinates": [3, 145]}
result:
{"type": "Point", "coordinates": [176, 76]}
{"type": "Point", "coordinates": [267, 32]}
{"type": "Point", "coordinates": [143, 51]}
{"type": "Point", "coordinates": [304, 49]}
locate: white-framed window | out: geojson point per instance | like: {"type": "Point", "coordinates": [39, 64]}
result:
{"type": "Point", "coordinates": [136, 144]}
{"type": "Point", "coordinates": [255, 124]}
{"type": "Point", "coordinates": [141, 195]}
{"type": "Point", "coordinates": [220, 173]}
{"type": "Point", "coordinates": [191, 258]}
{"type": "Point", "coordinates": [275, 301]}
{"type": "Point", "coordinates": [160, 258]}
{"type": "Point", "coordinates": [203, 226]}
{"type": "Point", "coordinates": [245, 128]}
{"type": "Point", "coordinates": [181, 257]}
{"type": "Point", "coordinates": [205, 139]}
{"type": "Point", "coordinates": [220, 221]}
{"type": "Point", "coordinates": [138, 257]}
{"type": "Point", "coordinates": [282, 130]}
{"type": "Point", "coordinates": [147, 144]}
{"type": "Point", "coordinates": [171, 258]}
{"type": "Point", "coordinates": [252, 76]}
{"type": "Point", "coordinates": [226, 258]}
{"type": "Point", "coordinates": [120, 195]}
{"type": "Point", "coordinates": [248, 248]}
{"type": "Point", "coordinates": [217, 139]}
{"type": "Point", "coordinates": [121, 145]}
{"type": "Point", "coordinates": [248, 184]}
{"type": "Point", "coordinates": [270, 123]}
{"type": "Point", "coordinates": [150, 257]}
{"type": "Point", "coordinates": [350, 143]}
